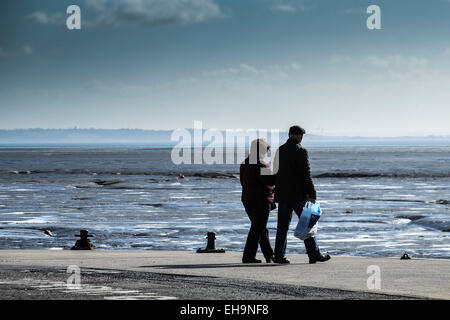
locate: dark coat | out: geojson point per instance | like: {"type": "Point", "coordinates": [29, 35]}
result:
{"type": "Point", "coordinates": [293, 182]}
{"type": "Point", "coordinates": [256, 188]}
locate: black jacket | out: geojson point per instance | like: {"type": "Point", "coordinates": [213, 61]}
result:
{"type": "Point", "coordinates": [256, 188]}
{"type": "Point", "coordinates": [293, 182]}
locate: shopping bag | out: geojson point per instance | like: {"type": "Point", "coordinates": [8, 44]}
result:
{"type": "Point", "coordinates": [308, 221]}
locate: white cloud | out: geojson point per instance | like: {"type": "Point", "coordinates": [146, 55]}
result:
{"type": "Point", "coordinates": [154, 12]}
{"type": "Point", "coordinates": [225, 78]}
{"type": "Point", "coordinates": [295, 66]}
{"type": "Point", "coordinates": [290, 7]}
{"type": "Point", "coordinates": [43, 17]}
{"type": "Point", "coordinates": [355, 11]}
{"type": "Point", "coordinates": [285, 8]}
{"type": "Point", "coordinates": [96, 85]}
{"type": "Point", "coordinates": [396, 61]}
{"type": "Point", "coordinates": [241, 70]}
{"type": "Point", "coordinates": [27, 49]}
{"type": "Point", "coordinates": [375, 61]}
{"type": "Point", "coordinates": [96, 4]}
{"type": "Point", "coordinates": [141, 12]}
{"type": "Point", "coordinates": [249, 71]}
{"type": "Point", "coordinates": [340, 59]}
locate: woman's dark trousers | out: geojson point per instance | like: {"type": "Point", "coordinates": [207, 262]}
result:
{"type": "Point", "coordinates": [258, 213]}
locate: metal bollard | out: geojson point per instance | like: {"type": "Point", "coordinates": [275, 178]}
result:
{"type": "Point", "coordinates": [405, 256]}
{"type": "Point", "coordinates": [211, 245]}
{"type": "Point", "coordinates": [84, 243]}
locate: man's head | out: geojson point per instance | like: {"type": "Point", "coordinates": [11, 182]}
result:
{"type": "Point", "coordinates": [296, 133]}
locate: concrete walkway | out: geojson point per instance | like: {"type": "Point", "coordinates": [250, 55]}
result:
{"type": "Point", "coordinates": [428, 278]}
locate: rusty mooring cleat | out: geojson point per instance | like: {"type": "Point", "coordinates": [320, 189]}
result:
{"type": "Point", "coordinates": [405, 256]}
{"type": "Point", "coordinates": [211, 245]}
{"type": "Point", "coordinates": [84, 243]}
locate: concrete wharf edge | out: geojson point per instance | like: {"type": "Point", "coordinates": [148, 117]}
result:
{"type": "Point", "coordinates": [421, 278]}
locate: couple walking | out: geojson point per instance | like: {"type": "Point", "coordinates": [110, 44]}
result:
{"type": "Point", "coordinates": [293, 188]}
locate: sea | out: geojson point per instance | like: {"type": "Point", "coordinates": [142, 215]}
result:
{"type": "Point", "coordinates": [377, 201]}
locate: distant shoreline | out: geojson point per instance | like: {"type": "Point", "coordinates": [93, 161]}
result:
{"type": "Point", "coordinates": [67, 138]}
{"type": "Point", "coordinates": [165, 146]}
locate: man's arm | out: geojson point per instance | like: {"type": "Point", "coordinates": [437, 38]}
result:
{"type": "Point", "coordinates": [305, 167]}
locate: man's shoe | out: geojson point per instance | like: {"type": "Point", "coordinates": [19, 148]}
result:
{"type": "Point", "coordinates": [319, 258]}
{"type": "Point", "coordinates": [281, 261]}
{"type": "Point", "coordinates": [270, 259]}
{"type": "Point", "coordinates": [251, 260]}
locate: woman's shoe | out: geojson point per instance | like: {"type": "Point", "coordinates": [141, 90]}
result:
{"type": "Point", "coordinates": [319, 258]}
{"type": "Point", "coordinates": [251, 260]}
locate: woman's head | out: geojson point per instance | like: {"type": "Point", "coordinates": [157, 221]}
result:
{"type": "Point", "coordinates": [258, 149]}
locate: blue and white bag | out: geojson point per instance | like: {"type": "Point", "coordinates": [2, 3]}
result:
{"type": "Point", "coordinates": [308, 221]}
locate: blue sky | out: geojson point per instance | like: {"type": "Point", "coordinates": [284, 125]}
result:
{"type": "Point", "coordinates": [161, 64]}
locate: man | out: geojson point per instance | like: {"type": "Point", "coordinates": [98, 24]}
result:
{"type": "Point", "coordinates": [293, 187]}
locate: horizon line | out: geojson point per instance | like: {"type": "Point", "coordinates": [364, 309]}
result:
{"type": "Point", "coordinates": [424, 135]}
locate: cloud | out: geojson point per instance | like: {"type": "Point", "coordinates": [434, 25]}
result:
{"type": "Point", "coordinates": [45, 18]}
{"type": "Point", "coordinates": [27, 49]}
{"type": "Point", "coordinates": [97, 4]}
{"type": "Point", "coordinates": [375, 61]}
{"type": "Point", "coordinates": [291, 7]}
{"type": "Point", "coordinates": [355, 11]}
{"type": "Point", "coordinates": [249, 71]}
{"type": "Point", "coordinates": [95, 86]}
{"type": "Point", "coordinates": [396, 61]}
{"type": "Point", "coordinates": [285, 8]}
{"type": "Point", "coordinates": [154, 12]}
{"type": "Point", "coordinates": [224, 78]}
{"type": "Point", "coordinates": [242, 70]}
{"type": "Point", "coordinates": [405, 71]}
{"type": "Point", "coordinates": [340, 59]}
{"type": "Point", "coordinates": [140, 12]}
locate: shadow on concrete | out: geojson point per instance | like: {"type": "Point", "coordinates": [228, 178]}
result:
{"type": "Point", "coordinates": [220, 265]}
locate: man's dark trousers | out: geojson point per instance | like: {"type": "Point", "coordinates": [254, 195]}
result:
{"type": "Point", "coordinates": [259, 214]}
{"type": "Point", "coordinates": [284, 219]}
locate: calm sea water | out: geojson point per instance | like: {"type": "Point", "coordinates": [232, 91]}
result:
{"type": "Point", "coordinates": [377, 201]}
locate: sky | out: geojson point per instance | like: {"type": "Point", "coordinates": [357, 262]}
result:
{"type": "Point", "coordinates": [264, 64]}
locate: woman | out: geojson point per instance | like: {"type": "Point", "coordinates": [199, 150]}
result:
{"type": "Point", "coordinates": [257, 197]}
